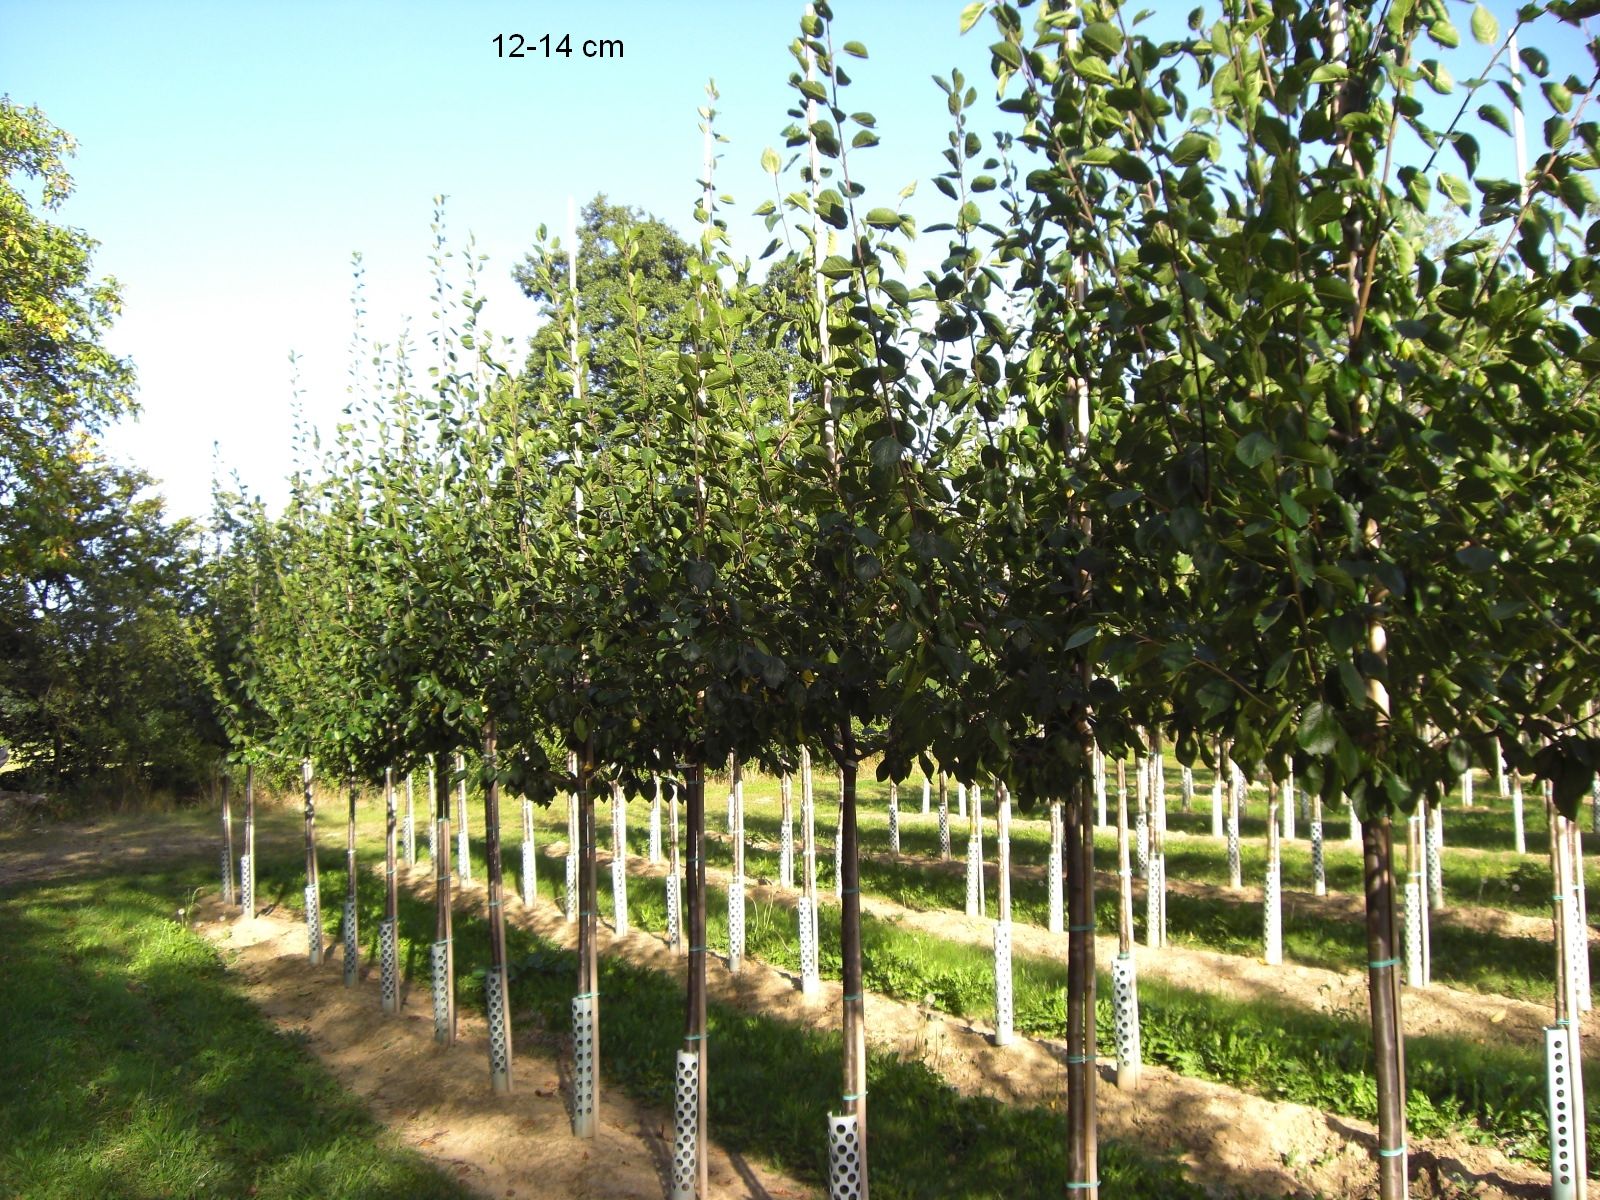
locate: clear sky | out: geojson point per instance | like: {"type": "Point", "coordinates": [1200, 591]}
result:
{"type": "Point", "coordinates": [233, 155]}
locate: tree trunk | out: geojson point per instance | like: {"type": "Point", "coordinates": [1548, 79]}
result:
{"type": "Point", "coordinates": [855, 1014]}
{"type": "Point", "coordinates": [1383, 991]}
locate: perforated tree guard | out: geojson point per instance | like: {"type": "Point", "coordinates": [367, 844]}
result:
{"type": "Point", "coordinates": [227, 876]}
{"type": "Point", "coordinates": [352, 944]}
{"type": "Point", "coordinates": [619, 895]}
{"type": "Point", "coordinates": [1273, 917]}
{"type": "Point", "coordinates": [944, 832]}
{"type": "Point", "coordinates": [247, 886]}
{"type": "Point", "coordinates": [1414, 968]}
{"type": "Point", "coordinates": [1234, 878]}
{"type": "Point", "coordinates": [499, 1021]}
{"type": "Point", "coordinates": [530, 873]}
{"type": "Point", "coordinates": [786, 854]}
{"type": "Point", "coordinates": [572, 885]}
{"type": "Point", "coordinates": [1156, 902]}
{"type": "Point", "coordinates": [1004, 1004]}
{"type": "Point", "coordinates": [441, 991]}
{"type": "Point", "coordinates": [1216, 806]}
{"type": "Point", "coordinates": [1057, 918]}
{"type": "Point", "coordinates": [894, 822]}
{"type": "Point", "coordinates": [1287, 808]}
{"type": "Point", "coordinates": [1141, 842]}
{"type": "Point", "coordinates": [974, 878]}
{"type": "Point", "coordinates": [1125, 1013]}
{"type": "Point", "coordinates": [1435, 843]}
{"type": "Point", "coordinates": [673, 928]}
{"type": "Point", "coordinates": [583, 1119]}
{"type": "Point", "coordinates": [389, 967]}
{"type": "Point", "coordinates": [1577, 948]}
{"type": "Point", "coordinates": [1319, 861]}
{"type": "Point", "coordinates": [809, 981]}
{"type": "Point", "coordinates": [844, 1158]}
{"type": "Point", "coordinates": [313, 924]}
{"type": "Point", "coordinates": [408, 835]}
{"type": "Point", "coordinates": [464, 850]}
{"type": "Point", "coordinates": [735, 922]}
{"type": "Point", "coordinates": [1563, 1128]}
{"type": "Point", "coordinates": [685, 1126]}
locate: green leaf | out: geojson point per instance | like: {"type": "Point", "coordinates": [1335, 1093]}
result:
{"type": "Point", "coordinates": [1319, 728]}
{"type": "Point", "coordinates": [770, 162]}
{"type": "Point", "coordinates": [1496, 118]}
{"type": "Point", "coordinates": [972, 14]}
{"type": "Point", "coordinates": [1485, 29]}
{"type": "Point", "coordinates": [885, 452]}
{"type": "Point", "coordinates": [1255, 448]}
{"type": "Point", "coordinates": [1192, 148]}
{"type": "Point", "coordinates": [855, 49]}
{"type": "Point", "coordinates": [1333, 72]}
{"type": "Point", "coordinates": [835, 267]}
{"type": "Point", "coordinates": [1456, 190]}
{"type": "Point", "coordinates": [1086, 634]}
{"type": "Point", "coordinates": [1104, 37]}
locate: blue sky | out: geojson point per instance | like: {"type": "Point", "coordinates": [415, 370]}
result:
{"type": "Point", "coordinates": [233, 155]}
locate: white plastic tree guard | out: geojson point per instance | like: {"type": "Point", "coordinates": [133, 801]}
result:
{"type": "Point", "coordinates": [313, 925]}
{"type": "Point", "coordinates": [441, 991]}
{"type": "Point", "coordinates": [961, 801]}
{"type": "Point", "coordinates": [1217, 823]}
{"type": "Point", "coordinates": [572, 858]}
{"type": "Point", "coordinates": [786, 834]}
{"type": "Point", "coordinates": [1235, 878]}
{"type": "Point", "coordinates": [1057, 900]}
{"type": "Point", "coordinates": [1414, 906]}
{"type": "Point", "coordinates": [674, 895]}
{"type": "Point", "coordinates": [736, 923]}
{"type": "Point", "coordinates": [655, 824]}
{"type": "Point", "coordinates": [944, 827]}
{"type": "Point", "coordinates": [619, 860]}
{"type": "Point", "coordinates": [1355, 824]}
{"type": "Point", "coordinates": [530, 869]}
{"type": "Point", "coordinates": [583, 1114]}
{"type": "Point", "coordinates": [227, 874]}
{"type": "Point", "coordinates": [1516, 815]}
{"type": "Point", "coordinates": [1286, 804]}
{"type": "Point", "coordinates": [1466, 788]}
{"type": "Point", "coordinates": [1435, 844]}
{"type": "Point", "coordinates": [1273, 916]}
{"type": "Point", "coordinates": [685, 1126]}
{"type": "Point", "coordinates": [389, 967]}
{"type": "Point", "coordinates": [1155, 902]}
{"type": "Point", "coordinates": [1565, 1138]}
{"type": "Point", "coordinates": [1188, 788]}
{"type": "Point", "coordinates": [844, 1158]}
{"type": "Point", "coordinates": [974, 874]}
{"type": "Point", "coordinates": [1319, 860]}
{"type": "Point", "coordinates": [433, 812]}
{"type": "Point", "coordinates": [352, 945]}
{"type": "Point", "coordinates": [894, 818]}
{"type": "Point", "coordinates": [1125, 1019]}
{"type": "Point", "coordinates": [810, 981]}
{"type": "Point", "coordinates": [498, 1011]}
{"type": "Point", "coordinates": [408, 831]}
{"type": "Point", "coordinates": [1004, 1001]}
{"type": "Point", "coordinates": [247, 886]}
{"type": "Point", "coordinates": [1141, 842]}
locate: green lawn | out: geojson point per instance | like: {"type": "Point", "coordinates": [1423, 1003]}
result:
{"type": "Point", "coordinates": [131, 1065]}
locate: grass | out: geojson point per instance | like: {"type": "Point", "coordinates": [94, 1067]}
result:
{"type": "Point", "coordinates": [132, 1066]}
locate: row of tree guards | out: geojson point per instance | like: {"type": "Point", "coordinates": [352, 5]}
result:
{"type": "Point", "coordinates": [1140, 840]}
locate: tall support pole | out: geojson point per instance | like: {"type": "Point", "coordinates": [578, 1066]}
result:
{"type": "Point", "coordinates": [690, 1168]}
{"type": "Point", "coordinates": [786, 832]}
{"type": "Point", "coordinates": [388, 932]}
{"type": "Point", "coordinates": [313, 884]}
{"type": "Point", "coordinates": [227, 845]}
{"type": "Point", "coordinates": [1287, 805]}
{"type": "Point", "coordinates": [444, 945]}
{"type": "Point", "coordinates": [1383, 992]}
{"type": "Point", "coordinates": [463, 842]}
{"type": "Point", "coordinates": [247, 865]}
{"type": "Point", "coordinates": [810, 977]}
{"type": "Point", "coordinates": [352, 943]}
{"type": "Point", "coordinates": [496, 982]}
{"type": "Point", "coordinates": [854, 1097]}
